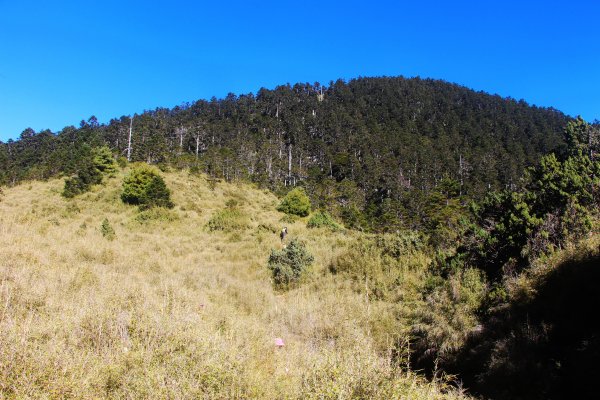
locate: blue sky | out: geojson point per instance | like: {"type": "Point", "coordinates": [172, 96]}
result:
{"type": "Point", "coordinates": [61, 62]}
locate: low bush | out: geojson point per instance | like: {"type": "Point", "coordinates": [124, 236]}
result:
{"type": "Point", "coordinates": [145, 187]}
{"type": "Point", "coordinates": [322, 219]}
{"type": "Point", "coordinates": [267, 227]}
{"type": "Point", "coordinates": [289, 264]}
{"type": "Point", "coordinates": [375, 271]}
{"type": "Point", "coordinates": [296, 202]}
{"type": "Point", "coordinates": [122, 162]}
{"type": "Point", "coordinates": [227, 220]}
{"type": "Point", "coordinates": [448, 313]}
{"type": "Point", "coordinates": [399, 244]}
{"type": "Point", "coordinates": [107, 230]}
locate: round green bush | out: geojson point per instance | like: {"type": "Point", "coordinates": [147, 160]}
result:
{"type": "Point", "coordinates": [145, 187]}
{"type": "Point", "coordinates": [296, 202]}
{"type": "Point", "coordinates": [322, 219]}
{"type": "Point", "coordinates": [287, 265]}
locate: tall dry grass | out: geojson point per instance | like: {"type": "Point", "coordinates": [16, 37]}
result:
{"type": "Point", "coordinates": [171, 309]}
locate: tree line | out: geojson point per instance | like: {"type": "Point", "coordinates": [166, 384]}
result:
{"type": "Point", "coordinates": [379, 153]}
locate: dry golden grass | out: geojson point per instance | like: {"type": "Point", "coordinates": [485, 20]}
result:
{"type": "Point", "coordinates": [170, 310]}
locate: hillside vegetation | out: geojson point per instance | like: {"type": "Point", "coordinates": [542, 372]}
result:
{"type": "Point", "coordinates": [101, 300]}
{"type": "Point", "coordinates": [177, 277]}
{"type": "Point", "coordinates": [376, 152]}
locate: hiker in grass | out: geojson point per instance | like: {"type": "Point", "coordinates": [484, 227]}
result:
{"type": "Point", "coordinates": [283, 233]}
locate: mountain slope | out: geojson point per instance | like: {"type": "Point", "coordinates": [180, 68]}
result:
{"type": "Point", "coordinates": [168, 309]}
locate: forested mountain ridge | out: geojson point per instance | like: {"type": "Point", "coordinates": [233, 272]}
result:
{"type": "Point", "coordinates": [372, 150]}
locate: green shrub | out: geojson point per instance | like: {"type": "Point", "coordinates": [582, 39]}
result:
{"type": "Point", "coordinates": [322, 219]}
{"type": "Point", "coordinates": [96, 164]}
{"type": "Point", "coordinates": [107, 231]}
{"type": "Point", "coordinates": [122, 162]}
{"type": "Point", "coordinates": [287, 265]}
{"type": "Point", "coordinates": [444, 320]}
{"type": "Point", "coordinates": [399, 244]}
{"type": "Point", "coordinates": [362, 261]}
{"type": "Point", "coordinates": [87, 175]}
{"type": "Point", "coordinates": [145, 187]}
{"type": "Point", "coordinates": [227, 220]}
{"type": "Point", "coordinates": [296, 202]}
{"type": "Point", "coordinates": [103, 160]}
{"type": "Point", "coordinates": [73, 187]}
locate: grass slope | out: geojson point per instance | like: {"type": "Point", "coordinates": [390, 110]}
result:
{"type": "Point", "coordinates": [172, 309]}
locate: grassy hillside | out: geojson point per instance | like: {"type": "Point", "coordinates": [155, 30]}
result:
{"type": "Point", "coordinates": [171, 309]}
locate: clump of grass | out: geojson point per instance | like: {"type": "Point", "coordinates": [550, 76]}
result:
{"type": "Point", "coordinates": [228, 219]}
{"type": "Point", "coordinates": [83, 277]}
{"type": "Point", "coordinates": [267, 227]}
{"type": "Point", "coordinates": [71, 210]}
{"type": "Point", "coordinates": [156, 214]}
{"type": "Point", "coordinates": [289, 219]}
{"type": "Point", "coordinates": [322, 219]}
{"type": "Point", "coordinates": [362, 377]}
{"type": "Point", "coordinates": [364, 263]}
{"type": "Point", "coordinates": [107, 230]}
{"type": "Point", "coordinates": [399, 244]}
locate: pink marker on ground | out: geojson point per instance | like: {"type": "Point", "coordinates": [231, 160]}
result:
{"type": "Point", "coordinates": [279, 342]}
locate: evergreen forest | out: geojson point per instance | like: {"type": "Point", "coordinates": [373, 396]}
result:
{"type": "Point", "coordinates": [376, 152]}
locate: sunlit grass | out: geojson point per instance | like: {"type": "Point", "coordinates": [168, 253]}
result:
{"type": "Point", "coordinates": [170, 309]}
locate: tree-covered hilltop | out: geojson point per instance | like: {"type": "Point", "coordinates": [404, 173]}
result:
{"type": "Point", "coordinates": [377, 152]}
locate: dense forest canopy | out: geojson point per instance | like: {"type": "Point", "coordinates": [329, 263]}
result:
{"type": "Point", "coordinates": [374, 151]}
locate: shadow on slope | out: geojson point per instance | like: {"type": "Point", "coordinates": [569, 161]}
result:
{"type": "Point", "coordinates": [544, 347]}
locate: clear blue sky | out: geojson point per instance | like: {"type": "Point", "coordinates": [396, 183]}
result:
{"type": "Point", "coordinates": [64, 61]}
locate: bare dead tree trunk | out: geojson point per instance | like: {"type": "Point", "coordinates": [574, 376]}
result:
{"type": "Point", "coordinates": [181, 133]}
{"type": "Point", "coordinates": [129, 142]}
{"type": "Point", "coordinates": [290, 161]}
{"type": "Point", "coordinates": [270, 167]}
{"type": "Point", "coordinates": [460, 172]}
{"type": "Point", "coordinates": [280, 144]}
